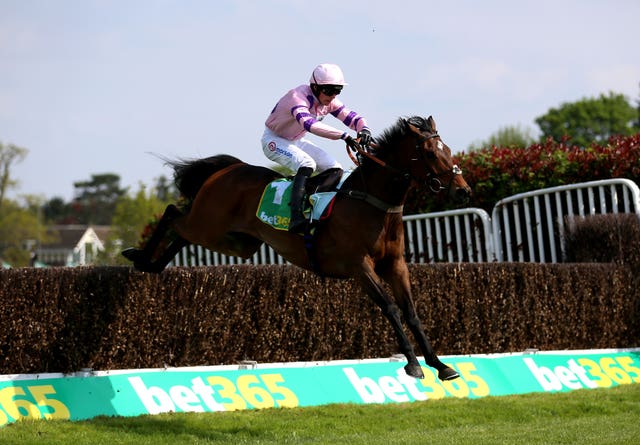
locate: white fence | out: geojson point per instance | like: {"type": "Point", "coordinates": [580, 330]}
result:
{"type": "Point", "coordinates": [455, 236]}
{"type": "Point", "coordinates": [199, 256]}
{"type": "Point", "coordinates": [528, 227]}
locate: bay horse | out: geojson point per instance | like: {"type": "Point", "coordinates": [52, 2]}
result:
{"type": "Point", "coordinates": [362, 239]}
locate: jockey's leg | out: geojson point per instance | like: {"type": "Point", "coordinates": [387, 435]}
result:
{"type": "Point", "coordinates": [298, 220]}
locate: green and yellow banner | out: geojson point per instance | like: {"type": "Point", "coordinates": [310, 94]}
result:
{"type": "Point", "coordinates": [88, 393]}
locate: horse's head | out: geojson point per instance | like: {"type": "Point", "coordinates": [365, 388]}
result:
{"type": "Point", "coordinates": [430, 161]}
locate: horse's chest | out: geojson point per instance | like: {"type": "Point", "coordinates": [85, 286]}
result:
{"type": "Point", "coordinates": [390, 242]}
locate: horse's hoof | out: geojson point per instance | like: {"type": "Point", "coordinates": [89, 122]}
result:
{"type": "Point", "coordinates": [140, 261]}
{"type": "Point", "coordinates": [133, 254]}
{"type": "Point", "coordinates": [447, 374]}
{"type": "Point", "coordinates": [414, 370]}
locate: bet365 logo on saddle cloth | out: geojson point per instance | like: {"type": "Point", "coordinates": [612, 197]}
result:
{"type": "Point", "coordinates": [274, 205]}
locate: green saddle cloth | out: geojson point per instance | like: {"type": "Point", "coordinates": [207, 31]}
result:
{"type": "Point", "coordinates": [274, 207]}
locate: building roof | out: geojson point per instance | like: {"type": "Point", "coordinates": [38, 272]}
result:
{"type": "Point", "coordinates": [68, 236]}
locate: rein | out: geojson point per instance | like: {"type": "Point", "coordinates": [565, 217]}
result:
{"type": "Point", "coordinates": [364, 196]}
{"type": "Point", "coordinates": [361, 151]}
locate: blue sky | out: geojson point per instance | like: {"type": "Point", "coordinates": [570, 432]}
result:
{"type": "Point", "coordinates": [95, 86]}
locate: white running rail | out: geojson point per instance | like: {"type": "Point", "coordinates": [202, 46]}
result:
{"type": "Point", "coordinates": [529, 227]}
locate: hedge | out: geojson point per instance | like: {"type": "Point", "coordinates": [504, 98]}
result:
{"type": "Point", "coordinates": [65, 319]}
{"type": "Point", "coordinates": [494, 173]}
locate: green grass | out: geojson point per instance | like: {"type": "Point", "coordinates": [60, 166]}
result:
{"type": "Point", "coordinates": [602, 416]}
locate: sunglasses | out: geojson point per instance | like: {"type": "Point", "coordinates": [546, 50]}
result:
{"type": "Point", "coordinates": [330, 90]}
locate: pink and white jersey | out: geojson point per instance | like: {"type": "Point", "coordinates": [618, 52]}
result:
{"type": "Point", "coordinates": [300, 111]}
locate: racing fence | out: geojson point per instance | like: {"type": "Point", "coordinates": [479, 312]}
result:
{"type": "Point", "coordinates": [530, 227]}
{"type": "Point", "coordinates": [527, 227]}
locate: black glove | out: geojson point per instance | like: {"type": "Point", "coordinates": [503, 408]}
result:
{"type": "Point", "coordinates": [351, 143]}
{"type": "Point", "coordinates": [365, 137]}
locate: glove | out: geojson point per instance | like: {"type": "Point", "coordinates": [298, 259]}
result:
{"type": "Point", "coordinates": [351, 143]}
{"type": "Point", "coordinates": [365, 137]}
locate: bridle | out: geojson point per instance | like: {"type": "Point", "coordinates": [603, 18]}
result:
{"type": "Point", "coordinates": [433, 180]}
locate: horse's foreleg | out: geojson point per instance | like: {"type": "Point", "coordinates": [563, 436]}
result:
{"type": "Point", "coordinates": [373, 287]}
{"type": "Point", "coordinates": [430, 357]}
{"type": "Point", "coordinates": [399, 280]}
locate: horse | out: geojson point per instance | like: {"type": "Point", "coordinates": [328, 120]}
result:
{"type": "Point", "coordinates": [363, 238]}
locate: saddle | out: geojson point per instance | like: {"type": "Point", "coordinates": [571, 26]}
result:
{"type": "Point", "coordinates": [321, 191]}
{"type": "Point", "coordinates": [326, 181]}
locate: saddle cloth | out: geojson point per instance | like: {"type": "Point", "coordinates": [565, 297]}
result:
{"type": "Point", "coordinates": [274, 208]}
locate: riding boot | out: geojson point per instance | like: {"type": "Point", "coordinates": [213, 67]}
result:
{"type": "Point", "coordinates": [298, 220]}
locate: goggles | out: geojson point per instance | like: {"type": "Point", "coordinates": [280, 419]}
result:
{"type": "Point", "coordinates": [330, 90]}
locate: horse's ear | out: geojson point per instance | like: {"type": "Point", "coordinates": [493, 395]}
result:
{"type": "Point", "coordinates": [412, 127]}
{"type": "Point", "coordinates": [415, 124]}
{"type": "Point", "coordinates": [432, 123]}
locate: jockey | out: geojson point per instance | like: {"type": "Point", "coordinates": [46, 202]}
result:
{"type": "Point", "coordinates": [299, 111]}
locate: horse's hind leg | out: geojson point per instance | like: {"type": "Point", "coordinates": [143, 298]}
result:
{"type": "Point", "coordinates": [171, 251]}
{"type": "Point", "coordinates": [147, 259]}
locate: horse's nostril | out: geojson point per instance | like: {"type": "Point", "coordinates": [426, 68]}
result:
{"type": "Point", "coordinates": [462, 195]}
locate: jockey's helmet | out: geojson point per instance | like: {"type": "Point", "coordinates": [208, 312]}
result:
{"type": "Point", "coordinates": [327, 74]}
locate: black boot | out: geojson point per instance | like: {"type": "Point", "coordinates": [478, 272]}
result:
{"type": "Point", "coordinates": [298, 221]}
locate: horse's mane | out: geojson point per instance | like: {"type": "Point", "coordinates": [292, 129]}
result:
{"type": "Point", "coordinates": [399, 130]}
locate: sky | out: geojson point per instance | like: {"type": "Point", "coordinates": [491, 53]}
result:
{"type": "Point", "coordinates": [105, 86]}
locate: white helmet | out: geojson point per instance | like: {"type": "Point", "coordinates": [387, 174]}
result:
{"type": "Point", "coordinates": [327, 74]}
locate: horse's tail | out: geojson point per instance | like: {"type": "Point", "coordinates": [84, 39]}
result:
{"type": "Point", "coordinates": [189, 175]}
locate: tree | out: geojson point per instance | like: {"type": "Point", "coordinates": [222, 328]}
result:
{"type": "Point", "coordinates": [21, 230]}
{"type": "Point", "coordinates": [590, 120]}
{"type": "Point", "coordinates": [638, 109]}
{"type": "Point", "coordinates": [166, 190]}
{"type": "Point", "coordinates": [131, 215]}
{"type": "Point", "coordinates": [96, 198]}
{"type": "Point", "coordinates": [9, 154]}
{"type": "Point", "coordinates": [509, 136]}
{"type": "Point", "coordinates": [57, 211]}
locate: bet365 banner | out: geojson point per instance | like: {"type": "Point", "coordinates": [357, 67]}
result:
{"type": "Point", "coordinates": [223, 388]}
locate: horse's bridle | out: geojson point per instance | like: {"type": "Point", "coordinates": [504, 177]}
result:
{"type": "Point", "coordinates": [433, 180]}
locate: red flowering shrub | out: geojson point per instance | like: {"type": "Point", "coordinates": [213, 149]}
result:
{"type": "Point", "coordinates": [498, 172]}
